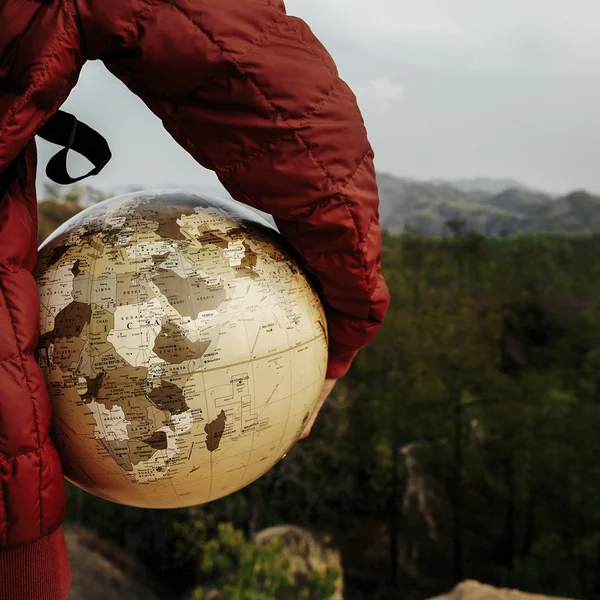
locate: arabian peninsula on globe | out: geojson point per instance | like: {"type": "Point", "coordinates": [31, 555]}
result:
{"type": "Point", "coordinates": [183, 347]}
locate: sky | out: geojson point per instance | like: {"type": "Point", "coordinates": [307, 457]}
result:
{"type": "Point", "coordinates": [448, 89]}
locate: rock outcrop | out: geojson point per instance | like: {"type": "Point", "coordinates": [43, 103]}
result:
{"type": "Point", "coordinates": [472, 590]}
{"type": "Point", "coordinates": [101, 570]}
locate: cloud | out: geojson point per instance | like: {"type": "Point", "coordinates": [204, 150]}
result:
{"type": "Point", "coordinates": [461, 36]}
{"type": "Point", "coordinates": [357, 17]}
{"type": "Point", "coordinates": [378, 96]}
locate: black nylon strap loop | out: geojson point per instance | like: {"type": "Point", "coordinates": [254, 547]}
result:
{"type": "Point", "coordinates": [65, 130]}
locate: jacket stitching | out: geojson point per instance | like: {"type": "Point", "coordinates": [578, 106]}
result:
{"type": "Point", "coordinates": [333, 71]}
{"type": "Point", "coordinates": [16, 457]}
{"type": "Point", "coordinates": [138, 16]}
{"type": "Point", "coordinates": [256, 85]}
{"type": "Point", "coordinates": [83, 42]}
{"type": "Point", "coordinates": [225, 171]}
{"type": "Point", "coordinates": [360, 249]}
{"type": "Point", "coordinates": [11, 118]}
{"type": "Point", "coordinates": [10, 267]}
{"type": "Point", "coordinates": [263, 36]}
{"type": "Point", "coordinates": [258, 152]}
{"type": "Point", "coordinates": [361, 242]}
{"type": "Point", "coordinates": [342, 190]}
{"type": "Point", "coordinates": [15, 356]}
{"type": "Point", "coordinates": [29, 388]}
{"type": "Point", "coordinates": [280, 138]}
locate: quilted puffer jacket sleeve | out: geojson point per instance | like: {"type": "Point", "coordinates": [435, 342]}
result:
{"type": "Point", "coordinates": [252, 94]}
{"type": "Point", "coordinates": [39, 63]}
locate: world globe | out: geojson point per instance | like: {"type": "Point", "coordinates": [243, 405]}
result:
{"type": "Point", "coordinates": [182, 345]}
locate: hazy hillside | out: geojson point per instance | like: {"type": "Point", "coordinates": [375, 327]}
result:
{"type": "Point", "coordinates": [481, 184]}
{"type": "Point", "coordinates": [427, 206]}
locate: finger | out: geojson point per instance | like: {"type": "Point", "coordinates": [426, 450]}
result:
{"type": "Point", "coordinates": [305, 434]}
{"type": "Point", "coordinates": [309, 425]}
{"type": "Point", "coordinates": [318, 407]}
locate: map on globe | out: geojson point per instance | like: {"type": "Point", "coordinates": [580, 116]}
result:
{"type": "Point", "coordinates": [183, 347]}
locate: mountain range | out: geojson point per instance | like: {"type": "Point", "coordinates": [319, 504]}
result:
{"type": "Point", "coordinates": [499, 207]}
{"type": "Point", "coordinates": [490, 206]}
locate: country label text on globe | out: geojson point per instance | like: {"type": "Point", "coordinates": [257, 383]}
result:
{"type": "Point", "coordinates": [183, 347]}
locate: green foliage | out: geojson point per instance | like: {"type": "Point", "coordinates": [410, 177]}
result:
{"type": "Point", "coordinates": [240, 570]}
{"type": "Point", "coordinates": [549, 566]}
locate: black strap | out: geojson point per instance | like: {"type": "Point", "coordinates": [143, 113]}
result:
{"type": "Point", "coordinates": [65, 130]}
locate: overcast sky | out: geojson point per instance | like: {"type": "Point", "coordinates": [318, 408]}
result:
{"type": "Point", "coordinates": [448, 88]}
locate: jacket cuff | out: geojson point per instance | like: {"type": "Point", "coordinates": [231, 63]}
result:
{"type": "Point", "coordinates": [339, 364]}
{"type": "Point", "coordinates": [37, 571]}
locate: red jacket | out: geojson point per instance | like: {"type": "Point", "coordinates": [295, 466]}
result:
{"type": "Point", "coordinates": [251, 94]}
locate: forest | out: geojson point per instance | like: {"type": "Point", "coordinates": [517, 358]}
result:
{"type": "Point", "coordinates": [462, 444]}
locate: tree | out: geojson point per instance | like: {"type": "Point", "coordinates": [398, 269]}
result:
{"type": "Point", "coordinates": [239, 570]}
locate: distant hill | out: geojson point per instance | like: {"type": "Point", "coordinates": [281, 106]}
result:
{"type": "Point", "coordinates": [427, 206]}
{"type": "Point", "coordinates": [481, 184]}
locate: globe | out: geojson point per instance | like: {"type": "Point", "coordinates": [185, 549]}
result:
{"type": "Point", "coordinates": [182, 345]}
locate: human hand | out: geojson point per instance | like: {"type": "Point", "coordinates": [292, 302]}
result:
{"type": "Point", "coordinates": [327, 387]}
